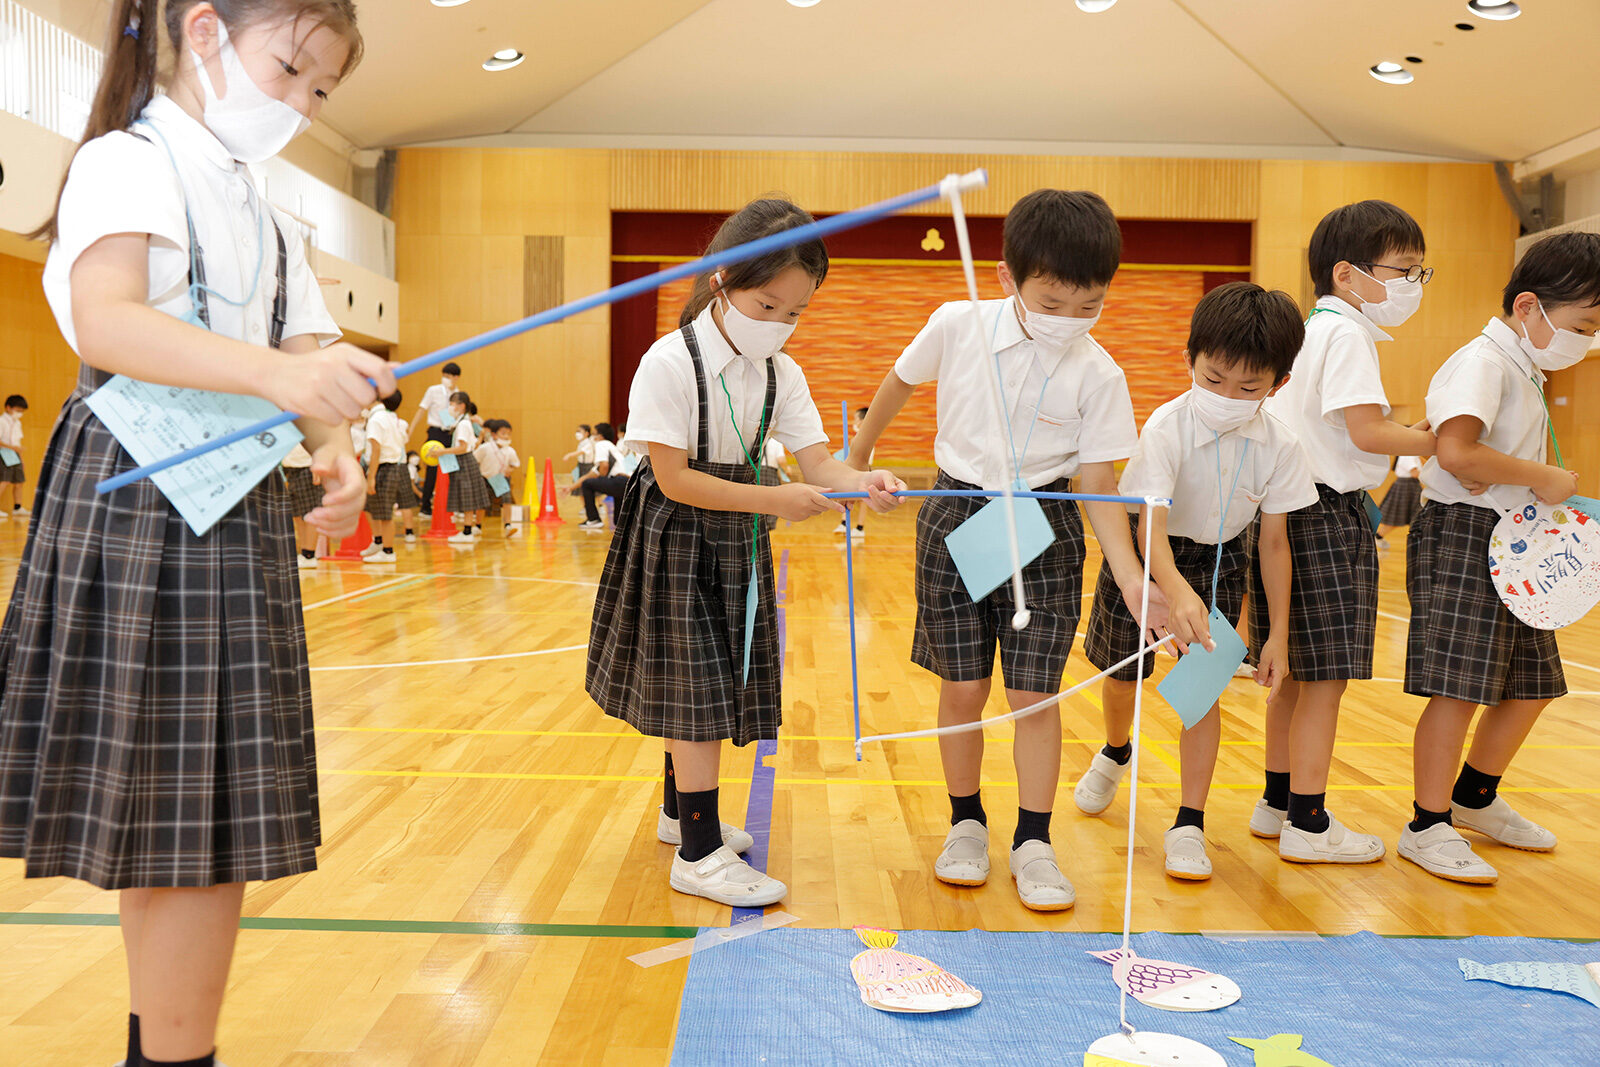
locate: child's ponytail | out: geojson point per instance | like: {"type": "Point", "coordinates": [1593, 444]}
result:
{"type": "Point", "coordinates": [127, 83]}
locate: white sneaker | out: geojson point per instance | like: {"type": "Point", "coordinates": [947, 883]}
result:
{"type": "Point", "coordinates": [461, 538]}
{"type": "Point", "coordinates": [22, 509]}
{"type": "Point", "coordinates": [1098, 787]}
{"type": "Point", "coordinates": [1441, 851]}
{"type": "Point", "coordinates": [4, 517]}
{"type": "Point", "coordinates": [513, 531]}
{"type": "Point", "coordinates": [1186, 854]}
{"type": "Point", "coordinates": [1336, 844]}
{"type": "Point", "coordinates": [858, 534]}
{"type": "Point", "coordinates": [1040, 883]}
{"type": "Point", "coordinates": [371, 550]}
{"type": "Point", "coordinates": [1266, 820]}
{"type": "Point", "coordinates": [592, 524]}
{"type": "Point", "coordinates": [385, 556]}
{"type": "Point", "coordinates": [843, 527]}
{"type": "Point", "coordinates": [964, 860]}
{"type": "Point", "coordinates": [726, 879]}
{"type": "Point", "coordinates": [411, 538]}
{"type": "Point", "coordinates": [668, 832]}
{"type": "Point", "coordinates": [306, 564]}
{"type": "Point", "coordinates": [1499, 823]}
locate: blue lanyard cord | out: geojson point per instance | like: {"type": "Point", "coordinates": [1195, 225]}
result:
{"type": "Point", "coordinates": [1224, 504]}
{"type": "Point", "coordinates": [1016, 459]}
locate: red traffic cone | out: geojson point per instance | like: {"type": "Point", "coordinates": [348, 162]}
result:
{"type": "Point", "coordinates": [441, 527]}
{"type": "Point", "coordinates": [350, 547]}
{"type": "Point", "coordinates": [548, 515]}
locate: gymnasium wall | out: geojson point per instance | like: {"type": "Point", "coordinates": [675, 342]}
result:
{"type": "Point", "coordinates": [34, 360]}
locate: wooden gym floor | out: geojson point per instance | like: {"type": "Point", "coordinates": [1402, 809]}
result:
{"type": "Point", "coordinates": [491, 861]}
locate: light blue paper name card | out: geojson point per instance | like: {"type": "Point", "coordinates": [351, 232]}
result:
{"type": "Point", "coordinates": [500, 484]}
{"type": "Point", "coordinates": [448, 462]}
{"type": "Point", "coordinates": [9, 458]}
{"type": "Point", "coordinates": [981, 546]}
{"type": "Point", "coordinates": [156, 421]}
{"type": "Point", "coordinates": [1200, 677]}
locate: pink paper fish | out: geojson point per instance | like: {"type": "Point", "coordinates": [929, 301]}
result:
{"type": "Point", "coordinates": [1169, 986]}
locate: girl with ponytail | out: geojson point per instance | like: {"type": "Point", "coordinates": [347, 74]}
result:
{"type": "Point", "coordinates": [155, 704]}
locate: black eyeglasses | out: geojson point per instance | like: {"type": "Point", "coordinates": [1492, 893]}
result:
{"type": "Point", "coordinates": [1419, 273]}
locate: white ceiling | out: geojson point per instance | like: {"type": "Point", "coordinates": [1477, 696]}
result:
{"type": "Point", "coordinates": [1282, 77]}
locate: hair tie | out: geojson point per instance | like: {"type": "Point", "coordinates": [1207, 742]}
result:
{"type": "Point", "coordinates": [131, 31]}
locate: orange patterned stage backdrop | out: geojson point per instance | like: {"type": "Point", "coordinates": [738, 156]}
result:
{"type": "Point", "coordinates": [864, 314]}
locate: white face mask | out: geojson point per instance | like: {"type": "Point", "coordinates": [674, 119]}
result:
{"type": "Point", "coordinates": [754, 338]}
{"type": "Point", "coordinates": [251, 125]}
{"type": "Point", "coordinates": [1221, 413]}
{"type": "Point", "coordinates": [1566, 347]}
{"type": "Point", "coordinates": [1402, 300]}
{"type": "Point", "coordinates": [1053, 333]}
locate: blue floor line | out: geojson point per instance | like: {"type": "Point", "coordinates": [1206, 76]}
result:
{"type": "Point", "coordinates": [763, 778]}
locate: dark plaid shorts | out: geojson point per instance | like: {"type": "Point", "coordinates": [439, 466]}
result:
{"type": "Point", "coordinates": [1113, 634]}
{"type": "Point", "coordinates": [468, 490]}
{"type": "Point", "coordinates": [305, 495]}
{"type": "Point", "coordinates": [1333, 592]}
{"type": "Point", "coordinates": [955, 638]}
{"type": "Point", "coordinates": [1464, 642]}
{"type": "Point", "coordinates": [394, 490]}
{"type": "Point", "coordinates": [12, 474]}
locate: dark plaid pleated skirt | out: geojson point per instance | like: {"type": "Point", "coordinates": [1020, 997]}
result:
{"type": "Point", "coordinates": [12, 474]}
{"type": "Point", "coordinates": [394, 490]}
{"type": "Point", "coordinates": [666, 649]}
{"type": "Point", "coordinates": [305, 495]}
{"type": "Point", "coordinates": [155, 703]}
{"type": "Point", "coordinates": [1113, 633]}
{"type": "Point", "coordinates": [1463, 642]}
{"type": "Point", "coordinates": [468, 490]}
{"type": "Point", "coordinates": [1401, 502]}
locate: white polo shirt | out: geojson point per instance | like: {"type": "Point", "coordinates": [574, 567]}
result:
{"type": "Point", "coordinates": [1407, 467]}
{"type": "Point", "coordinates": [1179, 457]}
{"type": "Point", "coordinates": [388, 434]}
{"type": "Point", "coordinates": [121, 183]}
{"type": "Point", "coordinates": [436, 402]}
{"type": "Point", "coordinates": [10, 431]}
{"type": "Point", "coordinates": [1337, 368]}
{"type": "Point", "coordinates": [1076, 404]}
{"type": "Point", "coordinates": [1494, 381]}
{"type": "Point", "coordinates": [663, 407]}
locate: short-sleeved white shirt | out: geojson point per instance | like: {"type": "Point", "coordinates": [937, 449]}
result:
{"type": "Point", "coordinates": [488, 457]}
{"type": "Point", "coordinates": [1494, 381]}
{"type": "Point", "coordinates": [586, 450]}
{"type": "Point", "coordinates": [1076, 404]}
{"type": "Point", "coordinates": [1179, 457]}
{"type": "Point", "coordinates": [388, 434]}
{"type": "Point", "coordinates": [509, 460]}
{"type": "Point", "coordinates": [663, 407]}
{"type": "Point", "coordinates": [436, 402]}
{"type": "Point", "coordinates": [10, 431]}
{"type": "Point", "coordinates": [775, 453]}
{"type": "Point", "coordinates": [464, 433]}
{"type": "Point", "coordinates": [120, 183]}
{"type": "Point", "coordinates": [1407, 467]}
{"type": "Point", "coordinates": [1337, 368]}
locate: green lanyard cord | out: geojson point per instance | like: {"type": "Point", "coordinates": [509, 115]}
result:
{"type": "Point", "coordinates": [755, 520]}
{"type": "Point", "coordinates": [1549, 424]}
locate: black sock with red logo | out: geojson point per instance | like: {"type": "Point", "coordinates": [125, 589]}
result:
{"type": "Point", "coordinates": [1308, 812]}
{"type": "Point", "coordinates": [1474, 789]}
{"type": "Point", "coordinates": [699, 824]}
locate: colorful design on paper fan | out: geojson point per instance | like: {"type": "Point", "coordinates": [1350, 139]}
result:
{"type": "Point", "coordinates": [892, 980]}
{"type": "Point", "coordinates": [1545, 562]}
{"type": "Point", "coordinates": [1169, 986]}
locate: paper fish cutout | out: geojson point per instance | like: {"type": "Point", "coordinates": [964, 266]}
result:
{"type": "Point", "coordinates": [1144, 1048]}
{"type": "Point", "coordinates": [1169, 986]}
{"type": "Point", "coordinates": [1545, 562]}
{"type": "Point", "coordinates": [892, 980]}
{"type": "Point", "coordinates": [1281, 1050]}
{"type": "Point", "coordinates": [1576, 979]}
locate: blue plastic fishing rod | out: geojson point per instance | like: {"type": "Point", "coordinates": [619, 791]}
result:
{"type": "Point", "coordinates": [737, 254]}
{"type": "Point", "coordinates": [909, 494]}
{"type": "Point", "coordinates": [850, 587]}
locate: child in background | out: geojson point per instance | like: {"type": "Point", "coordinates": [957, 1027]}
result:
{"type": "Point", "coordinates": [414, 469]}
{"type": "Point", "coordinates": [468, 493]}
{"type": "Point", "coordinates": [775, 458]}
{"type": "Point", "coordinates": [670, 618]}
{"type": "Point", "coordinates": [1401, 501]}
{"type": "Point", "coordinates": [855, 428]}
{"type": "Point", "coordinates": [1220, 459]}
{"type": "Point", "coordinates": [305, 496]}
{"type": "Point", "coordinates": [1069, 414]}
{"type": "Point", "coordinates": [435, 411]}
{"type": "Point", "coordinates": [388, 483]}
{"type": "Point", "coordinates": [607, 460]}
{"type": "Point", "coordinates": [584, 454]}
{"type": "Point", "coordinates": [1366, 265]}
{"type": "Point", "coordinates": [1465, 648]}
{"type": "Point", "coordinates": [496, 460]}
{"type": "Point", "coordinates": [11, 473]}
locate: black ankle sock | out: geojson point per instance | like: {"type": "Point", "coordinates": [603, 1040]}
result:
{"type": "Point", "coordinates": [1426, 818]}
{"type": "Point", "coordinates": [699, 824]}
{"type": "Point", "coordinates": [964, 808]}
{"type": "Point", "coordinates": [1277, 791]}
{"type": "Point", "coordinates": [410, 532]}
{"type": "Point", "coordinates": [308, 553]}
{"type": "Point", "coordinates": [1031, 826]}
{"type": "Point", "coordinates": [1307, 811]}
{"type": "Point", "coordinates": [208, 1060]}
{"type": "Point", "coordinates": [1194, 817]}
{"type": "Point", "coordinates": [1121, 753]}
{"type": "Point", "coordinates": [133, 1057]}
{"type": "Point", "coordinates": [378, 541]}
{"type": "Point", "coordinates": [669, 791]}
{"type": "Point", "coordinates": [1474, 789]}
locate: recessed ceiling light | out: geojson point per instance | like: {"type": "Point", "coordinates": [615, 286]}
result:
{"type": "Point", "coordinates": [804, 3]}
{"type": "Point", "coordinates": [1496, 10]}
{"type": "Point", "coordinates": [448, 3]}
{"type": "Point", "coordinates": [504, 59]}
{"type": "Point", "coordinates": [1391, 73]}
{"type": "Point", "coordinates": [1094, 7]}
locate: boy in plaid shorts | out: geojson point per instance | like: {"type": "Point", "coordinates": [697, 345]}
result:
{"type": "Point", "coordinates": [1465, 647]}
{"type": "Point", "coordinates": [1220, 459]}
{"type": "Point", "coordinates": [1069, 414]}
{"type": "Point", "coordinates": [1366, 263]}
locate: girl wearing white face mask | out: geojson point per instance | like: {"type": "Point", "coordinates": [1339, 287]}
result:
{"type": "Point", "coordinates": [1465, 647]}
{"type": "Point", "coordinates": [684, 641]}
{"type": "Point", "coordinates": [197, 773]}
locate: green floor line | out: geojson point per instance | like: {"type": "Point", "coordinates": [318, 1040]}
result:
{"type": "Point", "coordinates": [379, 926]}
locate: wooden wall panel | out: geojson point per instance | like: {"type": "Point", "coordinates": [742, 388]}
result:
{"type": "Point", "coordinates": [34, 360]}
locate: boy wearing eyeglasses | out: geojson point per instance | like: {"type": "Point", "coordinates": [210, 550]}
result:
{"type": "Point", "coordinates": [1366, 264]}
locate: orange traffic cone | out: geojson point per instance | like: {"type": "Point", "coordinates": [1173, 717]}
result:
{"type": "Point", "coordinates": [350, 547]}
{"type": "Point", "coordinates": [548, 515]}
{"type": "Point", "coordinates": [441, 527]}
